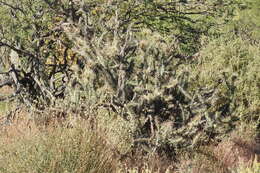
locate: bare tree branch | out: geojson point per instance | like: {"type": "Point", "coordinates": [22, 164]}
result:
{"type": "Point", "coordinates": [11, 6]}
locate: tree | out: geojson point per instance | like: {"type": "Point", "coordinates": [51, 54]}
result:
{"type": "Point", "coordinates": [30, 34]}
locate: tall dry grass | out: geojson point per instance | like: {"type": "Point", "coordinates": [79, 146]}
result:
{"type": "Point", "coordinates": [25, 148]}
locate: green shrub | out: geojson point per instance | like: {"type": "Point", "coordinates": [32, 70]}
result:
{"type": "Point", "coordinates": [233, 63]}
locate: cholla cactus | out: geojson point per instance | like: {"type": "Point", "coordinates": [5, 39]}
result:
{"type": "Point", "coordinates": [139, 73]}
{"type": "Point", "coordinates": [134, 63]}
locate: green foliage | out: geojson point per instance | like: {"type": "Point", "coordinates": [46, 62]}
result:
{"type": "Point", "coordinates": [246, 21]}
{"type": "Point", "coordinates": [235, 62]}
{"type": "Point", "coordinates": [30, 31]}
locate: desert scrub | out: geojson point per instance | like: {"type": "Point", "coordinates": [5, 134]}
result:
{"type": "Point", "coordinates": [143, 62]}
{"type": "Point", "coordinates": [236, 153]}
{"type": "Point", "coordinates": [119, 131]}
{"type": "Point", "coordinates": [230, 64]}
{"type": "Point", "coordinates": [253, 168]}
{"type": "Point", "coordinates": [57, 150]}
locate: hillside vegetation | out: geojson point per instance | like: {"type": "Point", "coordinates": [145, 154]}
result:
{"type": "Point", "coordinates": [130, 86]}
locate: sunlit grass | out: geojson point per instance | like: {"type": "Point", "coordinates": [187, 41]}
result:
{"type": "Point", "coordinates": [55, 150]}
{"type": "Point", "coordinates": [4, 107]}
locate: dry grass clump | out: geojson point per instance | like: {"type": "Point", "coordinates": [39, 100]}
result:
{"type": "Point", "coordinates": [137, 161]}
{"type": "Point", "coordinates": [201, 161]}
{"type": "Point", "coordinates": [254, 167]}
{"type": "Point", "coordinates": [240, 149]}
{"type": "Point", "coordinates": [26, 149]}
{"type": "Point", "coordinates": [233, 152]}
{"type": "Point", "coordinates": [6, 90]}
{"type": "Point", "coordinates": [86, 147]}
{"type": "Point", "coordinates": [236, 154]}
